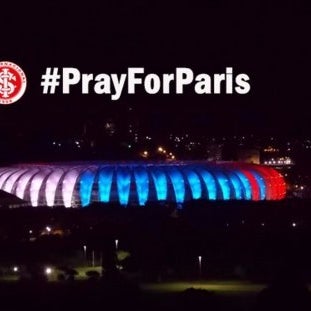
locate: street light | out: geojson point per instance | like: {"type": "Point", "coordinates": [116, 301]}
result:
{"type": "Point", "coordinates": [84, 250]}
{"type": "Point", "coordinates": [48, 271]}
{"type": "Point", "coordinates": [93, 258]}
{"type": "Point", "coordinates": [116, 243]}
{"type": "Point", "coordinates": [200, 265]}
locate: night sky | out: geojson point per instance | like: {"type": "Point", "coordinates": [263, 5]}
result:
{"type": "Point", "coordinates": [268, 41]}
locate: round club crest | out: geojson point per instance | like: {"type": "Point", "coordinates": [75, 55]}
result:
{"type": "Point", "coordinates": [12, 82]}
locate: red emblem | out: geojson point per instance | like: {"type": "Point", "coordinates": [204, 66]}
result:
{"type": "Point", "coordinates": [12, 82]}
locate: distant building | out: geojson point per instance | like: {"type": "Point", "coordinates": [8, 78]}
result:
{"type": "Point", "coordinates": [248, 155]}
{"type": "Point", "coordinates": [280, 162]}
{"type": "Point", "coordinates": [214, 152]}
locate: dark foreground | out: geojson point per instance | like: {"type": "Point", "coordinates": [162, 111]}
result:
{"type": "Point", "coordinates": [101, 295]}
{"type": "Point", "coordinates": [262, 242]}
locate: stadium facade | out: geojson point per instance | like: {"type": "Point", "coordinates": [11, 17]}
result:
{"type": "Point", "coordinates": [127, 183]}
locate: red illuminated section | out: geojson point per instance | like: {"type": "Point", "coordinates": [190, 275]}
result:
{"type": "Point", "coordinates": [275, 186]}
{"type": "Point", "coordinates": [274, 181]}
{"type": "Point", "coordinates": [278, 184]}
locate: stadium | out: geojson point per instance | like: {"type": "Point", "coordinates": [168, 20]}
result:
{"type": "Point", "coordinates": [139, 183]}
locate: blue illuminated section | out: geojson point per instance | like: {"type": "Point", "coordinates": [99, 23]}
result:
{"type": "Point", "coordinates": [237, 186]}
{"type": "Point", "coordinates": [195, 184]}
{"type": "Point", "coordinates": [210, 184]}
{"type": "Point", "coordinates": [123, 185]}
{"type": "Point", "coordinates": [246, 185]}
{"type": "Point", "coordinates": [178, 184]}
{"type": "Point", "coordinates": [261, 184]}
{"type": "Point", "coordinates": [142, 185]}
{"type": "Point", "coordinates": [224, 184]}
{"type": "Point", "coordinates": [86, 185]}
{"type": "Point", "coordinates": [160, 183]}
{"type": "Point", "coordinates": [104, 184]}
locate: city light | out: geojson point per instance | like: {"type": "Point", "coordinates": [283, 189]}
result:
{"type": "Point", "coordinates": [48, 229]}
{"type": "Point", "coordinates": [48, 271]}
{"type": "Point", "coordinates": [280, 161]}
{"type": "Point", "coordinates": [271, 149]}
{"type": "Point", "coordinates": [167, 154]}
{"type": "Point", "coordinates": [15, 269]}
{"type": "Point", "coordinates": [145, 154]}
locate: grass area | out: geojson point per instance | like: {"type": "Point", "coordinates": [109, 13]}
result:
{"type": "Point", "coordinates": [9, 278]}
{"type": "Point", "coordinates": [81, 272]}
{"type": "Point", "coordinates": [83, 269]}
{"type": "Point", "coordinates": [221, 287]}
{"type": "Point", "coordinates": [13, 277]}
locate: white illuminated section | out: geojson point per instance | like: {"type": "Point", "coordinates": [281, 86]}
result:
{"type": "Point", "coordinates": [35, 186]}
{"type": "Point", "coordinates": [5, 176]}
{"type": "Point", "coordinates": [8, 187]}
{"type": "Point", "coordinates": [3, 170]}
{"type": "Point", "coordinates": [23, 182]}
{"type": "Point", "coordinates": [69, 182]}
{"type": "Point", "coordinates": [51, 186]}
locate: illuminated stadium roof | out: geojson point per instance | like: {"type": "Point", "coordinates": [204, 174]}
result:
{"type": "Point", "coordinates": [126, 183]}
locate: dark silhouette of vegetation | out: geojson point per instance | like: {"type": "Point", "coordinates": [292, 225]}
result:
{"type": "Point", "coordinates": [287, 292]}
